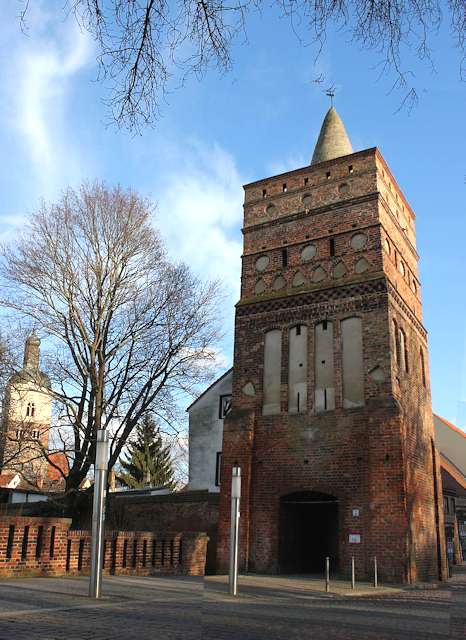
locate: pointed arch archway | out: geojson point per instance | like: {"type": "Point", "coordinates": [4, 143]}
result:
{"type": "Point", "coordinates": [308, 532]}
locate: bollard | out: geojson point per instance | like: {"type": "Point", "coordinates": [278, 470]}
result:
{"type": "Point", "coordinates": [234, 530]}
{"type": "Point", "coordinates": [327, 575]}
{"type": "Point", "coordinates": [353, 575]}
{"type": "Point", "coordinates": [376, 582]}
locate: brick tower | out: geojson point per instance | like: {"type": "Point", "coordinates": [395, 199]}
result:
{"type": "Point", "coordinates": [331, 418]}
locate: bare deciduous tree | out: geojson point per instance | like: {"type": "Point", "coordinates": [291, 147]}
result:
{"type": "Point", "coordinates": [145, 44]}
{"type": "Point", "coordinates": [128, 330]}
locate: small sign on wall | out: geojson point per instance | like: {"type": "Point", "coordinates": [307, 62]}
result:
{"type": "Point", "coordinates": [355, 538]}
{"type": "Point", "coordinates": [355, 513]}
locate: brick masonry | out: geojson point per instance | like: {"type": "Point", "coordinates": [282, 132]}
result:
{"type": "Point", "coordinates": [47, 546]}
{"type": "Point", "coordinates": [379, 458]}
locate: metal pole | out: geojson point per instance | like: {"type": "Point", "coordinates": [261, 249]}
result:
{"type": "Point", "coordinates": [353, 574]}
{"type": "Point", "coordinates": [98, 516]}
{"type": "Point", "coordinates": [234, 529]}
{"type": "Point", "coordinates": [327, 574]}
{"type": "Point", "coordinates": [376, 582]}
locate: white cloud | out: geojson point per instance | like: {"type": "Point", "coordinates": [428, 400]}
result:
{"type": "Point", "coordinates": [36, 86]}
{"type": "Point", "coordinates": [200, 213]}
{"type": "Point", "coordinates": [200, 216]}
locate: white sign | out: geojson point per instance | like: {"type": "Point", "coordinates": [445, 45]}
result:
{"type": "Point", "coordinates": [355, 513]}
{"type": "Point", "coordinates": [355, 538]}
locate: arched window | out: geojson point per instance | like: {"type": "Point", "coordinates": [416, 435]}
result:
{"type": "Point", "coordinates": [30, 409]}
{"type": "Point", "coordinates": [297, 370]}
{"type": "Point", "coordinates": [272, 372]}
{"type": "Point", "coordinates": [404, 351]}
{"type": "Point", "coordinates": [324, 370]}
{"type": "Point", "coordinates": [396, 343]}
{"type": "Point", "coordinates": [352, 358]}
{"type": "Point", "coordinates": [423, 367]}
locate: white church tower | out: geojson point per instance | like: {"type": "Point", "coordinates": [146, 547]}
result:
{"type": "Point", "coordinates": [27, 411]}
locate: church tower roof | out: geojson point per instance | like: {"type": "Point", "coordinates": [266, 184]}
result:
{"type": "Point", "coordinates": [333, 141]}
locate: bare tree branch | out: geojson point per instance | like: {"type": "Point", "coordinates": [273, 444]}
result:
{"type": "Point", "coordinates": [128, 330]}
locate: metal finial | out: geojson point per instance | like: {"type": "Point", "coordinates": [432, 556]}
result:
{"type": "Point", "coordinates": [330, 92]}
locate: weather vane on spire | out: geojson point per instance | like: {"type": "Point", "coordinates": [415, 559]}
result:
{"type": "Point", "coordinates": [330, 92]}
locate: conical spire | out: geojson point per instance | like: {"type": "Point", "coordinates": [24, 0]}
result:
{"type": "Point", "coordinates": [333, 141]}
{"type": "Point", "coordinates": [32, 352]}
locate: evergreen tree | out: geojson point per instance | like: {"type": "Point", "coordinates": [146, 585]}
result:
{"type": "Point", "coordinates": [147, 460]}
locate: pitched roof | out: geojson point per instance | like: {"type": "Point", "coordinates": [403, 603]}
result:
{"type": "Point", "coordinates": [209, 388]}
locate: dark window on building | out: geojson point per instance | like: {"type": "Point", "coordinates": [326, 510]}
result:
{"type": "Point", "coordinates": [264, 193]}
{"type": "Point", "coordinates": [285, 257]}
{"type": "Point", "coordinates": [172, 553]}
{"type": "Point", "coordinates": [332, 246]}
{"type": "Point", "coordinates": [218, 468]}
{"type": "Point", "coordinates": [11, 537]}
{"type": "Point", "coordinates": [154, 552]}
{"type": "Point", "coordinates": [30, 409]}
{"type": "Point", "coordinates": [306, 181]}
{"type": "Point", "coordinates": [134, 558]}
{"type": "Point", "coordinates": [39, 541]}
{"type": "Point", "coordinates": [163, 553]}
{"type": "Point", "coordinates": [224, 405]}
{"type": "Point", "coordinates": [284, 187]}
{"type": "Point", "coordinates": [328, 174]}
{"type": "Point", "coordinates": [125, 552]}
{"type": "Point", "coordinates": [446, 506]}
{"type": "Point", "coordinates": [68, 555]}
{"type": "Point", "coordinates": [298, 329]}
{"type": "Point", "coordinates": [81, 555]}
{"type": "Point", "coordinates": [52, 542]}
{"type": "Point", "coordinates": [144, 553]}
{"type": "Point", "coordinates": [24, 546]}
{"type": "Point", "coordinates": [350, 168]}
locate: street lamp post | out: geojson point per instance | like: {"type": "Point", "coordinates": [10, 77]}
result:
{"type": "Point", "coordinates": [234, 529]}
{"type": "Point", "coordinates": [98, 509]}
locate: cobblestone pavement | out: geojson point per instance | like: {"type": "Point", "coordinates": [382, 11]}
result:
{"type": "Point", "coordinates": [268, 608]}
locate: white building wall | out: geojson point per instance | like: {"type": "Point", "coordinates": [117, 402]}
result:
{"type": "Point", "coordinates": [206, 434]}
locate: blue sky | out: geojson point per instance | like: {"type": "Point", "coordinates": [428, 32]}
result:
{"type": "Point", "coordinates": [215, 135]}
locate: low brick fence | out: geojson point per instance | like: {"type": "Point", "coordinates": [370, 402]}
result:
{"type": "Point", "coordinates": [47, 546]}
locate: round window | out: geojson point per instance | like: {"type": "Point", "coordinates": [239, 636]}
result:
{"type": "Point", "coordinates": [262, 263]}
{"type": "Point", "coordinates": [358, 241]}
{"type": "Point", "coordinates": [308, 252]}
{"type": "Point", "coordinates": [271, 210]}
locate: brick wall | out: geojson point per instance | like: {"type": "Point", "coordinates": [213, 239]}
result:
{"type": "Point", "coordinates": [46, 546]}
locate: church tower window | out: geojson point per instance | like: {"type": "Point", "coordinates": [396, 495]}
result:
{"type": "Point", "coordinates": [404, 351]}
{"type": "Point", "coordinates": [272, 372]}
{"type": "Point", "coordinates": [297, 370]}
{"type": "Point", "coordinates": [423, 367]}
{"type": "Point", "coordinates": [30, 409]}
{"type": "Point", "coordinates": [324, 369]}
{"type": "Point", "coordinates": [352, 356]}
{"type": "Point", "coordinates": [396, 341]}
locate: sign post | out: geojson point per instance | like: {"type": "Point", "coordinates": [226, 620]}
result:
{"type": "Point", "coordinates": [234, 529]}
{"type": "Point", "coordinates": [100, 486]}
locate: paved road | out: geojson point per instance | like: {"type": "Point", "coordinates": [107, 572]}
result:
{"type": "Point", "coordinates": [269, 608]}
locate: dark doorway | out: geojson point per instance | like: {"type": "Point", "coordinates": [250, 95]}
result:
{"type": "Point", "coordinates": [308, 532]}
